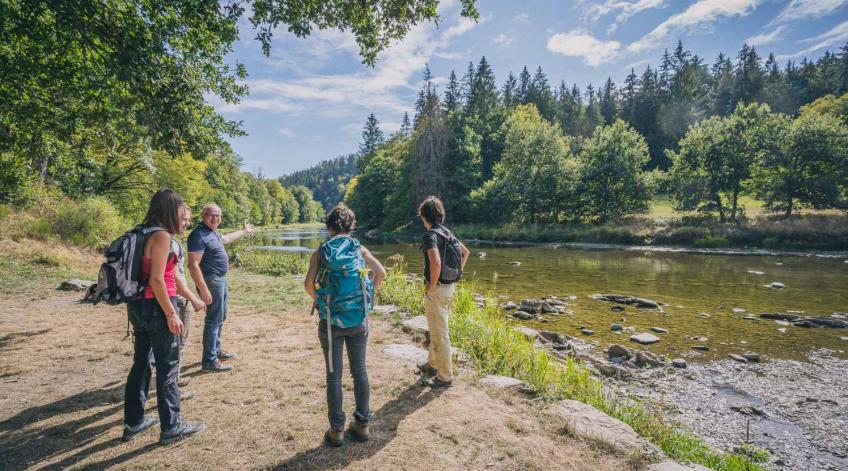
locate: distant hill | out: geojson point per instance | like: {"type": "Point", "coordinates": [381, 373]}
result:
{"type": "Point", "coordinates": [327, 180]}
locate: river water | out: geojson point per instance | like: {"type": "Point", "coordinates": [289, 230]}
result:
{"type": "Point", "coordinates": [692, 284]}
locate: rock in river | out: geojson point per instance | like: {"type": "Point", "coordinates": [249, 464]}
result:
{"type": "Point", "coordinates": [779, 316]}
{"type": "Point", "coordinates": [585, 331]}
{"type": "Point", "coordinates": [644, 338]}
{"type": "Point", "coordinates": [524, 316]}
{"type": "Point", "coordinates": [776, 285]}
{"type": "Point", "coordinates": [751, 356]}
{"type": "Point", "coordinates": [509, 306]}
{"type": "Point", "coordinates": [702, 348]}
{"type": "Point", "coordinates": [738, 310]}
{"type": "Point", "coordinates": [625, 299]}
{"type": "Point", "coordinates": [616, 328]}
{"type": "Point", "coordinates": [679, 363]}
{"type": "Point", "coordinates": [659, 330]}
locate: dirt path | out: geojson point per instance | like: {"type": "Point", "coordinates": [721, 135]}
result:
{"type": "Point", "coordinates": [63, 366]}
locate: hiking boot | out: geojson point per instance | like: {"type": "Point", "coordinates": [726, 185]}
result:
{"type": "Point", "coordinates": [183, 382]}
{"type": "Point", "coordinates": [132, 432]}
{"type": "Point", "coordinates": [186, 395]}
{"type": "Point", "coordinates": [426, 369]}
{"type": "Point", "coordinates": [358, 431]}
{"type": "Point", "coordinates": [181, 430]}
{"type": "Point", "coordinates": [216, 366]}
{"type": "Point", "coordinates": [224, 356]}
{"type": "Point", "coordinates": [437, 383]}
{"type": "Point", "coordinates": [334, 438]}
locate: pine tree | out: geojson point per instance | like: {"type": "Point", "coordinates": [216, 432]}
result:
{"type": "Point", "coordinates": [721, 93]}
{"type": "Point", "coordinates": [523, 86]}
{"type": "Point", "coordinates": [539, 93]}
{"type": "Point", "coordinates": [372, 139]}
{"type": "Point", "coordinates": [508, 91]}
{"type": "Point", "coordinates": [452, 94]}
{"type": "Point", "coordinates": [628, 107]}
{"type": "Point", "coordinates": [405, 126]}
{"type": "Point", "coordinates": [607, 102]}
{"type": "Point", "coordinates": [748, 83]}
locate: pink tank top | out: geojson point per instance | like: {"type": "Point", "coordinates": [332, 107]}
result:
{"type": "Point", "coordinates": [170, 276]}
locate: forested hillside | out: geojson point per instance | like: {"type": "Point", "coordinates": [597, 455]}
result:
{"type": "Point", "coordinates": [532, 151]}
{"type": "Point", "coordinates": [327, 180]}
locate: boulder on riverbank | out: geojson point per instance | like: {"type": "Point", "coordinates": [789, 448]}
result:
{"type": "Point", "coordinates": [629, 300]}
{"type": "Point", "coordinates": [585, 421]}
{"type": "Point", "coordinates": [821, 321]}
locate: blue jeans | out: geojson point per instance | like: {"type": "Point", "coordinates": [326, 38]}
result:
{"type": "Point", "coordinates": [356, 338]}
{"type": "Point", "coordinates": [216, 314]}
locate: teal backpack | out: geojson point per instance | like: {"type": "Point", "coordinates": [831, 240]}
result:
{"type": "Point", "coordinates": [345, 290]}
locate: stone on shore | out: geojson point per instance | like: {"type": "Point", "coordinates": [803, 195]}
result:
{"type": "Point", "coordinates": [671, 465]}
{"type": "Point", "coordinates": [619, 351]}
{"type": "Point", "coordinates": [509, 306]}
{"type": "Point", "coordinates": [659, 330]}
{"type": "Point", "coordinates": [417, 324]}
{"type": "Point", "coordinates": [679, 363]}
{"type": "Point", "coordinates": [644, 338]}
{"type": "Point", "coordinates": [737, 310]}
{"type": "Point", "coordinates": [738, 358]}
{"type": "Point", "coordinates": [75, 285]}
{"type": "Point", "coordinates": [751, 356]}
{"type": "Point", "coordinates": [702, 348]}
{"type": "Point", "coordinates": [406, 352]}
{"type": "Point", "coordinates": [585, 331]}
{"type": "Point", "coordinates": [385, 309]}
{"type": "Point", "coordinates": [501, 383]}
{"type": "Point", "coordinates": [779, 316]}
{"type": "Point", "coordinates": [776, 285]}
{"type": "Point", "coordinates": [522, 315]}
{"type": "Point", "coordinates": [531, 334]}
{"type": "Point", "coordinates": [625, 299]}
{"type": "Point", "coordinates": [616, 328]}
{"type": "Point", "coordinates": [585, 421]}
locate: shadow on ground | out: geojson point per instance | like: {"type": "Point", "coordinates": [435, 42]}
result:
{"type": "Point", "coordinates": [383, 430]}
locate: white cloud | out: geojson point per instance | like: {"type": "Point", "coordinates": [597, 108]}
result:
{"type": "Point", "coordinates": [286, 132]}
{"type": "Point", "coordinates": [837, 35]}
{"type": "Point", "coordinates": [626, 10]}
{"type": "Point", "coordinates": [802, 9]}
{"type": "Point", "coordinates": [385, 90]}
{"type": "Point", "coordinates": [698, 15]}
{"type": "Point", "coordinates": [766, 38]}
{"type": "Point", "coordinates": [504, 40]}
{"type": "Point", "coordinates": [578, 43]}
{"type": "Point", "coordinates": [521, 18]}
{"type": "Point", "coordinates": [452, 56]}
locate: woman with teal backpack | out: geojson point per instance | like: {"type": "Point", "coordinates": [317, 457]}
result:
{"type": "Point", "coordinates": [340, 284]}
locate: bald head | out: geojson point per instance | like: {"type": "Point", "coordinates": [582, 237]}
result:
{"type": "Point", "coordinates": [212, 216]}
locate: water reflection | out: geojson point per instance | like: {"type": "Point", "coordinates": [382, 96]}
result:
{"type": "Point", "coordinates": [691, 284]}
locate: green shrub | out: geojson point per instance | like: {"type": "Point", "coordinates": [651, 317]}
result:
{"type": "Point", "coordinates": [268, 262]}
{"type": "Point", "coordinates": [93, 222]}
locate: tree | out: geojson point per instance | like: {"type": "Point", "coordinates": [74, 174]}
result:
{"type": "Point", "coordinates": [808, 169]}
{"type": "Point", "coordinates": [372, 139]}
{"type": "Point", "coordinates": [714, 162]}
{"type": "Point", "coordinates": [534, 181]}
{"type": "Point", "coordinates": [310, 210]}
{"type": "Point", "coordinates": [611, 178]}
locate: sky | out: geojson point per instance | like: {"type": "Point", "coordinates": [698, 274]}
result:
{"type": "Point", "coordinates": [309, 99]}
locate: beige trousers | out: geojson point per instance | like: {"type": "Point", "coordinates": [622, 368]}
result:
{"type": "Point", "coordinates": [437, 306]}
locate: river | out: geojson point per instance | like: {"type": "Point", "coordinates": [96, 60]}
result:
{"type": "Point", "coordinates": [701, 290]}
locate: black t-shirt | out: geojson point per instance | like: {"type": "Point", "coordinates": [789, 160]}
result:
{"type": "Point", "coordinates": [428, 241]}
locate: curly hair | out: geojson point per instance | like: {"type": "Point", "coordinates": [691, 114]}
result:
{"type": "Point", "coordinates": [433, 210]}
{"type": "Point", "coordinates": [341, 219]}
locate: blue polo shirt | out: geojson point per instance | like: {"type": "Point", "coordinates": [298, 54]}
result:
{"type": "Point", "coordinates": [208, 242]}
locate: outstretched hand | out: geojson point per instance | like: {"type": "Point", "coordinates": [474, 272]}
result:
{"type": "Point", "coordinates": [248, 227]}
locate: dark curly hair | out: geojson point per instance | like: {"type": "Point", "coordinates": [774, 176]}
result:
{"type": "Point", "coordinates": [341, 219]}
{"type": "Point", "coordinates": [433, 210]}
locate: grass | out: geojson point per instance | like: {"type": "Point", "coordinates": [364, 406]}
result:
{"type": "Point", "coordinates": [497, 348]}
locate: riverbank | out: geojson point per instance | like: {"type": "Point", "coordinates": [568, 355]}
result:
{"type": "Point", "coordinates": [63, 366]}
{"type": "Point", "coordinates": [809, 232]}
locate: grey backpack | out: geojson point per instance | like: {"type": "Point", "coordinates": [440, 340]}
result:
{"type": "Point", "coordinates": [119, 280]}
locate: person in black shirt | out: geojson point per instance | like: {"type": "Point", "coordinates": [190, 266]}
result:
{"type": "Point", "coordinates": [438, 294]}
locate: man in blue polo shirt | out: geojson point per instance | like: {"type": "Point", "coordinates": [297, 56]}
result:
{"type": "Point", "coordinates": [208, 264]}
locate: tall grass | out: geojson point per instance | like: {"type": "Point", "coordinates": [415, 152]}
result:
{"type": "Point", "coordinates": [497, 348]}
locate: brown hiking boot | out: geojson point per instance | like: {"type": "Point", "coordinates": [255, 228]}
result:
{"type": "Point", "coordinates": [358, 431]}
{"type": "Point", "coordinates": [334, 438]}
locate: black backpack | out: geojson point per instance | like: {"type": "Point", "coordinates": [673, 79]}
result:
{"type": "Point", "coordinates": [451, 253]}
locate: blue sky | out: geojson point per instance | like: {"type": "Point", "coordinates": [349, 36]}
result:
{"type": "Point", "coordinates": [308, 100]}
